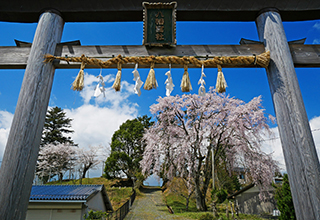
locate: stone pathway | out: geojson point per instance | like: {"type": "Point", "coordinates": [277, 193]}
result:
{"type": "Point", "coordinates": [151, 206]}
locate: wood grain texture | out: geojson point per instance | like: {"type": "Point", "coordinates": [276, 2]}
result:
{"type": "Point", "coordinates": [18, 165]}
{"type": "Point", "coordinates": [298, 146]}
{"type": "Point", "coordinates": [17, 57]}
{"type": "Point", "coordinates": [131, 10]}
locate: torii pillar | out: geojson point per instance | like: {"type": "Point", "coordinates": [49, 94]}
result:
{"type": "Point", "coordinates": [20, 157]}
{"type": "Point", "coordinates": [298, 146]}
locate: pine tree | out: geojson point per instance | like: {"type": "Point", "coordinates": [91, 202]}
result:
{"type": "Point", "coordinates": [56, 125]}
{"type": "Point", "coordinates": [284, 200]}
{"type": "Point", "coordinates": [53, 138]}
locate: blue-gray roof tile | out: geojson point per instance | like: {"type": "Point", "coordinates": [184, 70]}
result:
{"type": "Point", "coordinates": [63, 192]}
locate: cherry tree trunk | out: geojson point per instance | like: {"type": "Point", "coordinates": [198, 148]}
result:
{"type": "Point", "coordinates": [200, 199]}
{"type": "Point", "coordinates": [20, 157]}
{"type": "Point", "coordinates": [299, 151]}
{"type": "Point", "coordinates": [85, 170]}
{"type": "Point", "coordinates": [187, 203]}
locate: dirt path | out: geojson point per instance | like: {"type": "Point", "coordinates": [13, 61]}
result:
{"type": "Point", "coordinates": [151, 206]}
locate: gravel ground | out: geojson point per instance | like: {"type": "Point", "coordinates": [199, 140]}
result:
{"type": "Point", "coordinates": [150, 206]}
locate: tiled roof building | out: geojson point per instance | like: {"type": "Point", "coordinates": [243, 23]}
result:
{"type": "Point", "coordinates": [66, 201]}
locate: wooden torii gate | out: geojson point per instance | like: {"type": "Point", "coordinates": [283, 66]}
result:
{"type": "Point", "coordinates": [22, 148]}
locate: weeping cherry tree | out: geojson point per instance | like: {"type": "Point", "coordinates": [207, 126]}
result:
{"type": "Point", "coordinates": [189, 127]}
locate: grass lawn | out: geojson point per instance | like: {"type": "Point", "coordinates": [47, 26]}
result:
{"type": "Point", "coordinates": [178, 204]}
{"type": "Point", "coordinates": [222, 216]}
{"type": "Point", "coordinates": [179, 208]}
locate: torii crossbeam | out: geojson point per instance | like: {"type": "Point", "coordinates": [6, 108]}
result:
{"type": "Point", "coordinates": [23, 143]}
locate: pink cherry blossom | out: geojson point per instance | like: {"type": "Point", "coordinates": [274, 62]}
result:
{"type": "Point", "coordinates": [189, 127]}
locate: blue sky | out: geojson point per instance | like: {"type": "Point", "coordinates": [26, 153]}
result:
{"type": "Point", "coordinates": [95, 120]}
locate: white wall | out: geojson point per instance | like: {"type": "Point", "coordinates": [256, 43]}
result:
{"type": "Point", "coordinates": [54, 214]}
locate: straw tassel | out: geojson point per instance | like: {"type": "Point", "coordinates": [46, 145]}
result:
{"type": "Point", "coordinates": [151, 81]}
{"type": "Point", "coordinates": [117, 82]}
{"type": "Point", "coordinates": [221, 84]}
{"type": "Point", "coordinates": [185, 82]}
{"type": "Point", "coordinates": [78, 83]}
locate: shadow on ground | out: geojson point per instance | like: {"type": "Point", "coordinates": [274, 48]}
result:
{"type": "Point", "coordinates": [149, 189]}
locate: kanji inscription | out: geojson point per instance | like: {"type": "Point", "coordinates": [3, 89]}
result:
{"type": "Point", "coordinates": [159, 24]}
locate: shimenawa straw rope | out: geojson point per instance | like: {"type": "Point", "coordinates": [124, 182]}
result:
{"type": "Point", "coordinates": [260, 60]}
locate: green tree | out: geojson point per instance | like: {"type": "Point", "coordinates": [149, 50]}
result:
{"type": "Point", "coordinates": [284, 199]}
{"type": "Point", "coordinates": [226, 182]}
{"type": "Point", "coordinates": [127, 149]}
{"type": "Point", "coordinates": [55, 126]}
{"type": "Point", "coordinates": [225, 178]}
{"type": "Point", "coordinates": [92, 215]}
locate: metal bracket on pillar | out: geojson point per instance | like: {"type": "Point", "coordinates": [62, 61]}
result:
{"type": "Point", "coordinates": [22, 43]}
{"type": "Point", "coordinates": [244, 41]}
{"type": "Point", "coordinates": [301, 41]}
{"type": "Point", "coordinates": [28, 44]}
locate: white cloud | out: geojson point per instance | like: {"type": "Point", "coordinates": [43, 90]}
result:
{"type": "Point", "coordinates": [316, 41]}
{"type": "Point", "coordinates": [94, 124]}
{"type": "Point", "coordinates": [116, 99]}
{"type": "Point", "coordinates": [5, 119]}
{"type": "Point", "coordinates": [5, 123]}
{"type": "Point", "coordinates": [317, 26]}
{"type": "Point", "coordinates": [273, 143]}
{"type": "Point", "coordinates": [315, 127]}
